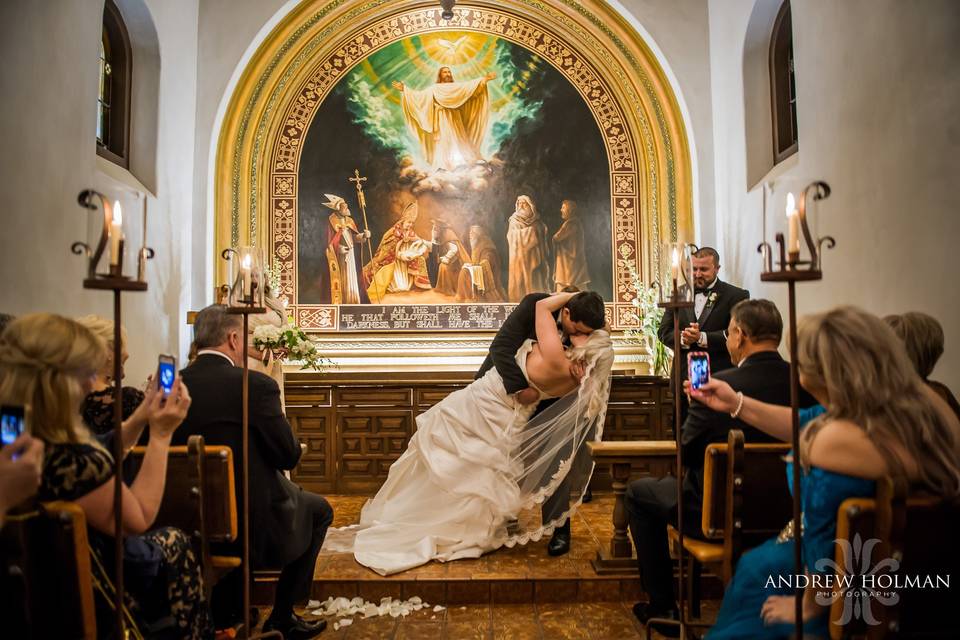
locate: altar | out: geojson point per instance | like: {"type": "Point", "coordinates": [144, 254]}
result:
{"type": "Point", "coordinates": [355, 423]}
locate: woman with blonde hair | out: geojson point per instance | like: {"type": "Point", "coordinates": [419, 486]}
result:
{"type": "Point", "coordinates": [97, 407]}
{"type": "Point", "coordinates": [877, 419]}
{"type": "Point", "coordinates": [50, 363]}
{"type": "Point", "coordinates": [922, 335]}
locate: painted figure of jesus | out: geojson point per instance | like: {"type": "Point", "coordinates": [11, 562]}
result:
{"type": "Point", "coordinates": [449, 119]}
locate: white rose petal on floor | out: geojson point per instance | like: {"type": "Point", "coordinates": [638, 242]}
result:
{"type": "Point", "coordinates": [344, 607]}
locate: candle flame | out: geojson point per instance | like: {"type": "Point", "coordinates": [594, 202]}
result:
{"type": "Point", "coordinates": [791, 205]}
{"type": "Point", "coordinates": [117, 213]}
{"type": "Point", "coordinates": [246, 261]}
{"type": "Point", "coordinates": [675, 258]}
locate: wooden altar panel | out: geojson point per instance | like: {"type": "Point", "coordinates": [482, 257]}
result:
{"type": "Point", "coordinates": [355, 426]}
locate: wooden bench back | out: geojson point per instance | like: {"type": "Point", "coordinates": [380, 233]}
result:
{"type": "Point", "coordinates": [187, 480]}
{"type": "Point", "coordinates": [745, 492]}
{"type": "Point", "coordinates": [920, 533]}
{"type": "Point", "coordinates": [49, 549]}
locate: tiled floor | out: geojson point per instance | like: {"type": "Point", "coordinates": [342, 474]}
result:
{"type": "Point", "coordinates": [591, 528]}
{"type": "Point", "coordinates": [517, 593]}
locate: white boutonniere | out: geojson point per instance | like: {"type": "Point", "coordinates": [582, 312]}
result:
{"type": "Point", "coordinates": [712, 298]}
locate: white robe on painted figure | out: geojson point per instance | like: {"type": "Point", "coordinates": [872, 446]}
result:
{"type": "Point", "coordinates": [449, 119]}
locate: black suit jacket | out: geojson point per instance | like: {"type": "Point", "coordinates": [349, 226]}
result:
{"type": "Point", "coordinates": [519, 326]}
{"type": "Point", "coordinates": [764, 376]}
{"type": "Point", "coordinates": [279, 527]}
{"type": "Point", "coordinates": [713, 321]}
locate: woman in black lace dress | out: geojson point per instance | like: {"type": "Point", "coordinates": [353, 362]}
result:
{"type": "Point", "coordinates": [50, 362]}
{"type": "Point", "coordinates": [97, 408]}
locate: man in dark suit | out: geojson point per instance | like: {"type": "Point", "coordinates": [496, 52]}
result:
{"type": "Point", "coordinates": [581, 315]}
{"type": "Point", "coordinates": [704, 326]}
{"type": "Point", "coordinates": [287, 524]}
{"type": "Point", "coordinates": [753, 336]}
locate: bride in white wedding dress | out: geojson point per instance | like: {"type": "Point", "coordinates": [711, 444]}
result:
{"type": "Point", "coordinates": [477, 459]}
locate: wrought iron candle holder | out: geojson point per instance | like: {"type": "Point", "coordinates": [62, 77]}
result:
{"type": "Point", "coordinates": [244, 297]}
{"type": "Point", "coordinates": [677, 264]}
{"type": "Point", "coordinates": [113, 280]}
{"type": "Point", "coordinates": [792, 269]}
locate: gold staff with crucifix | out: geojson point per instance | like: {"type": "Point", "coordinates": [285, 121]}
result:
{"type": "Point", "coordinates": [358, 181]}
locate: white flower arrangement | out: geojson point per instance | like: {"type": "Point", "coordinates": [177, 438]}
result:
{"type": "Point", "coordinates": [290, 341]}
{"type": "Point", "coordinates": [648, 315]}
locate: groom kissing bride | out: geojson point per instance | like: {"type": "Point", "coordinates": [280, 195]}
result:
{"type": "Point", "coordinates": [485, 456]}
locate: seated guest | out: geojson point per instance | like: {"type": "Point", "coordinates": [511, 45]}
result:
{"type": "Point", "coordinates": [288, 524]}
{"type": "Point", "coordinates": [923, 337]}
{"type": "Point", "coordinates": [49, 362]}
{"type": "Point", "coordinates": [97, 409]}
{"type": "Point", "coordinates": [853, 364]}
{"type": "Point", "coordinates": [753, 337]}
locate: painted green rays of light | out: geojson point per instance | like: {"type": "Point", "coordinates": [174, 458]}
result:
{"type": "Point", "coordinates": [415, 61]}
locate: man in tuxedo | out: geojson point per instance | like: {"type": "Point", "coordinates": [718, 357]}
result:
{"type": "Point", "coordinates": [704, 327]}
{"type": "Point", "coordinates": [753, 337]}
{"type": "Point", "coordinates": [287, 524]}
{"type": "Point", "coordinates": [581, 315]}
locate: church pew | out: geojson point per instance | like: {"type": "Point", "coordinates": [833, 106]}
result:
{"type": "Point", "coordinates": [746, 500]}
{"type": "Point", "coordinates": [919, 533]}
{"type": "Point", "coordinates": [200, 499]}
{"type": "Point", "coordinates": [47, 549]}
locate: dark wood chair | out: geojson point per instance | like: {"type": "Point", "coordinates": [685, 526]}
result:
{"type": "Point", "coordinates": [919, 532]}
{"type": "Point", "coordinates": [48, 551]}
{"type": "Point", "coordinates": [746, 499]}
{"type": "Point", "coordinates": [200, 499]}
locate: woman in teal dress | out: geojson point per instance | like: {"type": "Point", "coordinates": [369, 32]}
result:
{"type": "Point", "coordinates": [876, 419]}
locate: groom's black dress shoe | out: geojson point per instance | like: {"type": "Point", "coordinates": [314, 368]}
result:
{"type": "Point", "coordinates": [643, 612]}
{"type": "Point", "coordinates": [560, 542]}
{"type": "Point", "coordinates": [295, 627]}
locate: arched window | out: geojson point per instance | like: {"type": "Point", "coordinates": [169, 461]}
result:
{"type": "Point", "coordinates": [783, 86]}
{"type": "Point", "coordinates": [113, 96]}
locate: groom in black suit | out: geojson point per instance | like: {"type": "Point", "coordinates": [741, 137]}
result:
{"type": "Point", "coordinates": [582, 314]}
{"type": "Point", "coordinates": [287, 524]}
{"type": "Point", "coordinates": [704, 327]}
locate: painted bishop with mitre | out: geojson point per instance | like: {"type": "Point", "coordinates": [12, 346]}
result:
{"type": "Point", "coordinates": [399, 263]}
{"type": "Point", "coordinates": [449, 119]}
{"type": "Point", "coordinates": [343, 238]}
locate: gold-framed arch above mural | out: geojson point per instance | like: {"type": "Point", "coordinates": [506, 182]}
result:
{"type": "Point", "coordinates": [551, 152]}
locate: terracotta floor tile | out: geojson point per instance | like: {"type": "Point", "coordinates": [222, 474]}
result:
{"type": "Point", "coordinates": [563, 629]}
{"type": "Point", "coordinates": [472, 630]}
{"type": "Point", "coordinates": [511, 592]}
{"type": "Point", "coordinates": [468, 592]}
{"type": "Point", "coordinates": [507, 612]}
{"type": "Point", "coordinates": [433, 593]}
{"type": "Point", "coordinates": [380, 628]}
{"type": "Point", "coordinates": [419, 631]}
{"type": "Point", "coordinates": [517, 630]}
{"type": "Point", "coordinates": [556, 591]}
{"type": "Point", "coordinates": [468, 613]}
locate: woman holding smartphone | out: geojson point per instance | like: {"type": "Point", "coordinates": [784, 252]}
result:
{"type": "Point", "coordinates": [51, 363]}
{"type": "Point", "coordinates": [876, 418]}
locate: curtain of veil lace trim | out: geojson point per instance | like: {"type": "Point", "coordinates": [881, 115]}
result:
{"type": "Point", "coordinates": [550, 451]}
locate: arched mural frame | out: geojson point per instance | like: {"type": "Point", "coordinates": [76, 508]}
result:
{"type": "Point", "coordinates": [319, 41]}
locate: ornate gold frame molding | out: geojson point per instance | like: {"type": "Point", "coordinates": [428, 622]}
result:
{"type": "Point", "coordinates": [320, 40]}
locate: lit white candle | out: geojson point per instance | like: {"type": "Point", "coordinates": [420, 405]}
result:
{"type": "Point", "coordinates": [675, 265]}
{"type": "Point", "coordinates": [116, 234]}
{"type": "Point", "coordinates": [246, 282]}
{"type": "Point", "coordinates": [793, 217]}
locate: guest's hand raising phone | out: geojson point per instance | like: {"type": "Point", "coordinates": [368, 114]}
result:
{"type": "Point", "coordinates": [166, 414]}
{"type": "Point", "coordinates": [715, 394]}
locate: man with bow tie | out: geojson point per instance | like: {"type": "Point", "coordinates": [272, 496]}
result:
{"type": "Point", "coordinates": [704, 328]}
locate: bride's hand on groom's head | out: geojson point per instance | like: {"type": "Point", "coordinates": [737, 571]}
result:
{"type": "Point", "coordinates": [527, 396]}
{"type": "Point", "coordinates": [577, 370]}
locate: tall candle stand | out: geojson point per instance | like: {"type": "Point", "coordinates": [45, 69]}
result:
{"type": "Point", "coordinates": [678, 299]}
{"type": "Point", "coordinates": [791, 269]}
{"type": "Point", "coordinates": [115, 281]}
{"type": "Point", "coordinates": [245, 304]}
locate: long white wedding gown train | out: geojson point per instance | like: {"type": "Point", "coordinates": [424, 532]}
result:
{"type": "Point", "coordinates": [452, 492]}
